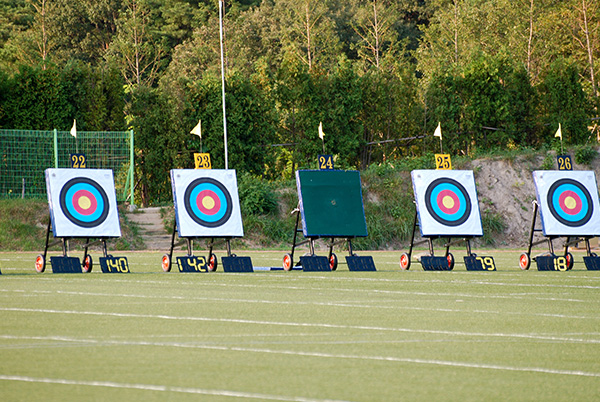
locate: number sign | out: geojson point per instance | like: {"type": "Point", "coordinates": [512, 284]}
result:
{"type": "Point", "coordinates": [564, 162]}
{"type": "Point", "coordinates": [192, 264]}
{"type": "Point", "coordinates": [202, 161]}
{"type": "Point", "coordinates": [443, 162]}
{"type": "Point", "coordinates": [476, 263]}
{"type": "Point", "coordinates": [326, 162]}
{"type": "Point", "coordinates": [78, 161]}
{"type": "Point", "coordinates": [114, 265]}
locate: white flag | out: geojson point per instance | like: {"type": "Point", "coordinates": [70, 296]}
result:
{"type": "Point", "coordinates": [438, 131]}
{"type": "Point", "coordinates": [321, 133]}
{"type": "Point", "coordinates": [198, 129]}
{"type": "Point", "coordinates": [558, 132]}
{"type": "Point", "coordinates": [74, 129]}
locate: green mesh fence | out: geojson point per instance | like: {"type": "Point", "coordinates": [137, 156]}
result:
{"type": "Point", "coordinates": [25, 154]}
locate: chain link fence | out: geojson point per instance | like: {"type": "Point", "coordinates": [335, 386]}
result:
{"type": "Point", "coordinates": [25, 154]}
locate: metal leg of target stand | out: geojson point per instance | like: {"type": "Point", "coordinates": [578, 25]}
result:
{"type": "Point", "coordinates": [588, 249]}
{"type": "Point", "coordinates": [47, 240]}
{"type": "Point", "coordinates": [210, 247]}
{"type": "Point", "coordinates": [350, 251]}
{"type": "Point", "coordinates": [65, 246]}
{"type": "Point", "coordinates": [172, 240]}
{"type": "Point", "coordinates": [468, 243]}
{"type": "Point", "coordinates": [567, 245]}
{"type": "Point", "coordinates": [228, 246]}
{"type": "Point", "coordinates": [535, 210]}
{"type": "Point", "coordinates": [550, 245]}
{"type": "Point", "coordinates": [412, 238]}
{"type": "Point", "coordinates": [295, 234]}
{"type": "Point", "coordinates": [190, 246]}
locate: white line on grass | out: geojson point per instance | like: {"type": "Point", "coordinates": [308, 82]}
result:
{"type": "Point", "coordinates": [304, 325]}
{"type": "Point", "coordinates": [164, 388]}
{"type": "Point", "coordinates": [350, 304]}
{"type": "Point", "coordinates": [212, 280]}
{"type": "Point", "coordinates": [393, 359]}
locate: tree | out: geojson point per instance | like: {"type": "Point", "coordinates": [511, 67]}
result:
{"type": "Point", "coordinates": [308, 31]}
{"type": "Point", "coordinates": [374, 24]}
{"type": "Point", "coordinates": [562, 100]}
{"type": "Point", "coordinates": [135, 49]}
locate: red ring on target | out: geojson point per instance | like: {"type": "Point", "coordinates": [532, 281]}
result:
{"type": "Point", "coordinates": [84, 202]}
{"type": "Point", "coordinates": [441, 202]}
{"type": "Point", "coordinates": [208, 202]}
{"type": "Point", "coordinates": [563, 199]}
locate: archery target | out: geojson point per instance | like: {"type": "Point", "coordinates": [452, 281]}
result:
{"type": "Point", "coordinates": [447, 203]}
{"type": "Point", "coordinates": [83, 203]}
{"type": "Point", "coordinates": [568, 202]}
{"type": "Point", "coordinates": [206, 203]}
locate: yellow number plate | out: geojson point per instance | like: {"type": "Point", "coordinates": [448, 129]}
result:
{"type": "Point", "coordinates": [326, 162]}
{"type": "Point", "coordinates": [78, 161]}
{"type": "Point", "coordinates": [564, 162]}
{"type": "Point", "coordinates": [443, 162]}
{"type": "Point", "coordinates": [202, 161]}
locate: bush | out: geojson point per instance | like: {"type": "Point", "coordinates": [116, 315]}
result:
{"type": "Point", "coordinates": [585, 155]}
{"type": "Point", "coordinates": [256, 196]}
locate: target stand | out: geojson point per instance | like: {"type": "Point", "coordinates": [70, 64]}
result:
{"type": "Point", "coordinates": [446, 208]}
{"type": "Point", "coordinates": [568, 207]}
{"type": "Point", "coordinates": [206, 207]}
{"type": "Point", "coordinates": [330, 207]}
{"type": "Point", "coordinates": [83, 205]}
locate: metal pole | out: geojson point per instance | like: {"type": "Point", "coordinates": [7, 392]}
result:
{"type": "Point", "coordinates": [223, 80]}
{"type": "Point", "coordinates": [55, 149]}
{"type": "Point", "coordinates": [131, 170]}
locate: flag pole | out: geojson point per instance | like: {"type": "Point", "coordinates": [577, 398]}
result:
{"type": "Point", "coordinates": [197, 130]}
{"type": "Point", "coordinates": [438, 133]}
{"type": "Point", "coordinates": [322, 135]}
{"type": "Point", "coordinates": [559, 135]}
{"type": "Point", "coordinates": [223, 81]}
{"type": "Point", "coordinates": [74, 134]}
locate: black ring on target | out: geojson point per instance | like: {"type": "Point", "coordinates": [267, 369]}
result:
{"type": "Point", "coordinates": [462, 202]}
{"type": "Point", "coordinates": [84, 202]}
{"type": "Point", "coordinates": [581, 210]}
{"type": "Point", "coordinates": [220, 207]}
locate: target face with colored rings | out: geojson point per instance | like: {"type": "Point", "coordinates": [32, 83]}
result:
{"type": "Point", "coordinates": [208, 202]}
{"type": "Point", "coordinates": [448, 202]}
{"type": "Point", "coordinates": [84, 202]}
{"type": "Point", "coordinates": [570, 202]}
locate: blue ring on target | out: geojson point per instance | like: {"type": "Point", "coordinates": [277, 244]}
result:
{"type": "Point", "coordinates": [579, 195]}
{"type": "Point", "coordinates": [460, 209]}
{"type": "Point", "coordinates": [220, 208]}
{"type": "Point", "coordinates": [84, 202]}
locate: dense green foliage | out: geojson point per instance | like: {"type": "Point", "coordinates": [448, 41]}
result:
{"type": "Point", "coordinates": [379, 75]}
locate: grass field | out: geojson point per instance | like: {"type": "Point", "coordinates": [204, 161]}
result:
{"type": "Point", "coordinates": [291, 336]}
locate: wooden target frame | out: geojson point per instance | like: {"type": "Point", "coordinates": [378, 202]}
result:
{"type": "Point", "coordinates": [330, 206]}
{"type": "Point", "coordinates": [447, 207]}
{"type": "Point", "coordinates": [568, 202]}
{"type": "Point", "coordinates": [569, 207]}
{"type": "Point", "coordinates": [206, 203]}
{"type": "Point", "coordinates": [207, 206]}
{"type": "Point", "coordinates": [82, 204]}
{"type": "Point", "coordinates": [447, 203]}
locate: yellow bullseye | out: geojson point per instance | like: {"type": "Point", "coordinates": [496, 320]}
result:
{"type": "Point", "coordinates": [448, 202]}
{"type": "Point", "coordinates": [570, 203]}
{"type": "Point", "coordinates": [84, 202]}
{"type": "Point", "coordinates": [208, 203]}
